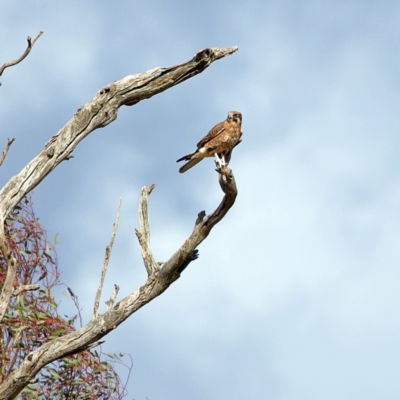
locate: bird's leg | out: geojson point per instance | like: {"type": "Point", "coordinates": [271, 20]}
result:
{"type": "Point", "coordinates": [220, 160]}
{"type": "Point", "coordinates": [223, 160]}
{"type": "Point", "coordinates": [217, 159]}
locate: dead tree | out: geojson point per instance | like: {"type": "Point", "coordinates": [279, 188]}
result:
{"type": "Point", "coordinates": [97, 113]}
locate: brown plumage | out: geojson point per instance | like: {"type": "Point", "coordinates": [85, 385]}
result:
{"type": "Point", "coordinates": [219, 142]}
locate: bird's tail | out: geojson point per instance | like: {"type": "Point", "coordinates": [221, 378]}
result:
{"type": "Point", "coordinates": [192, 159]}
{"type": "Point", "coordinates": [187, 157]}
{"type": "Point", "coordinates": [189, 164]}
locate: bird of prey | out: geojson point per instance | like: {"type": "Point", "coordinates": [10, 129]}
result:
{"type": "Point", "coordinates": [219, 142]}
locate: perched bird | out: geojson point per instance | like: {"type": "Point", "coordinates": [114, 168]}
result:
{"type": "Point", "coordinates": [219, 142]}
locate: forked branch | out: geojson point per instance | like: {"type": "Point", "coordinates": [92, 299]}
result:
{"type": "Point", "coordinates": [143, 234]}
{"type": "Point", "coordinates": [26, 52]}
{"type": "Point", "coordinates": [105, 263]}
{"type": "Point", "coordinates": [156, 283]}
{"type": "Point", "coordinates": [97, 113]}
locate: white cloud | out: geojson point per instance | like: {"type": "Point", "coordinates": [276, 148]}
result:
{"type": "Point", "coordinates": [295, 291]}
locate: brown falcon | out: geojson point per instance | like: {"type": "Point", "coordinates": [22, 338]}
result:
{"type": "Point", "coordinates": [219, 142]}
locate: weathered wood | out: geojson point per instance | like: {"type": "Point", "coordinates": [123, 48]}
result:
{"type": "Point", "coordinates": [102, 324]}
{"type": "Point", "coordinates": [99, 112]}
{"type": "Point", "coordinates": [143, 234]}
{"type": "Point", "coordinates": [5, 151]}
{"type": "Point", "coordinates": [105, 263]}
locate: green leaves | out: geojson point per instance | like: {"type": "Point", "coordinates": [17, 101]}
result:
{"type": "Point", "coordinates": [32, 319]}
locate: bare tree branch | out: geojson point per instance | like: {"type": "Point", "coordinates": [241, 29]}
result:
{"type": "Point", "coordinates": [170, 270]}
{"type": "Point", "coordinates": [26, 52]}
{"type": "Point", "coordinates": [110, 302]}
{"type": "Point", "coordinates": [4, 155]}
{"type": "Point", "coordinates": [99, 112]}
{"type": "Point", "coordinates": [105, 264]}
{"type": "Point", "coordinates": [143, 234]}
{"type": "Point", "coordinates": [100, 326]}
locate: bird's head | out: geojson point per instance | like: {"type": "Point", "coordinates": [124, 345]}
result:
{"type": "Point", "coordinates": [234, 116]}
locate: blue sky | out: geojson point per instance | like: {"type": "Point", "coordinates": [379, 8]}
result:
{"type": "Point", "coordinates": [296, 292]}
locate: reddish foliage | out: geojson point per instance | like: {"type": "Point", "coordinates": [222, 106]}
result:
{"type": "Point", "coordinates": [32, 319]}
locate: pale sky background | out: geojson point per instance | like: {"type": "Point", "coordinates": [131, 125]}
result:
{"type": "Point", "coordinates": [296, 292]}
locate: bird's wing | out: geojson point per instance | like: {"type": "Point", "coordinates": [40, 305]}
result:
{"type": "Point", "coordinates": [217, 130]}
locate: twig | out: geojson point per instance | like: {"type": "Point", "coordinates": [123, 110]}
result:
{"type": "Point", "coordinates": [105, 264]}
{"type": "Point", "coordinates": [129, 373]}
{"type": "Point", "coordinates": [200, 217]}
{"type": "Point", "coordinates": [75, 299]}
{"type": "Point", "coordinates": [25, 288]}
{"type": "Point", "coordinates": [143, 234]}
{"type": "Point", "coordinates": [110, 302]}
{"type": "Point", "coordinates": [27, 51]}
{"type": "Point", "coordinates": [4, 155]}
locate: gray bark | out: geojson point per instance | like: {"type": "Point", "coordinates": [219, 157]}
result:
{"type": "Point", "coordinates": [97, 113]}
